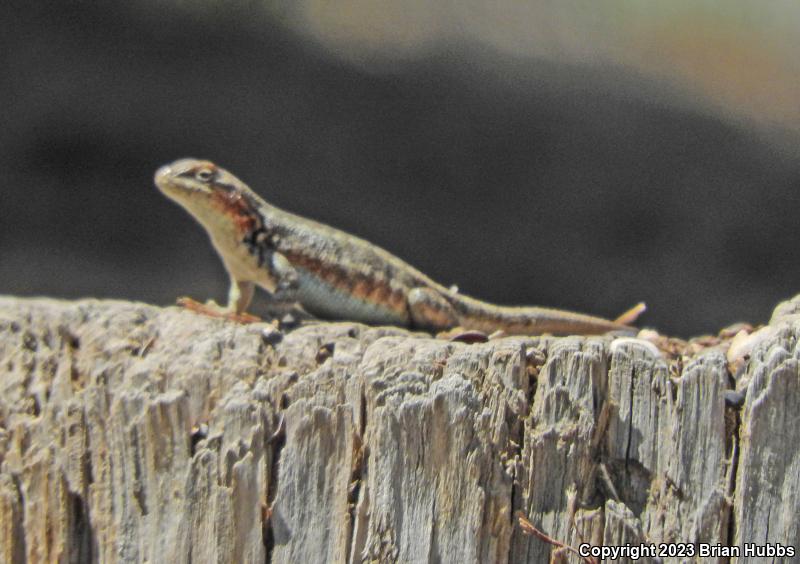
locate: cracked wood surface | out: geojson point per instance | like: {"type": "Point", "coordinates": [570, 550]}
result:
{"type": "Point", "coordinates": [134, 433]}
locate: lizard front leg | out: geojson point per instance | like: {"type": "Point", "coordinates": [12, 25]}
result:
{"type": "Point", "coordinates": [280, 280]}
{"type": "Point", "coordinates": [240, 294]}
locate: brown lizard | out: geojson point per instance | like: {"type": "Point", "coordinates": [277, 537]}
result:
{"type": "Point", "coordinates": [333, 274]}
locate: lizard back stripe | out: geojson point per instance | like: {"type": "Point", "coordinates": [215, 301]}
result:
{"type": "Point", "coordinates": [369, 290]}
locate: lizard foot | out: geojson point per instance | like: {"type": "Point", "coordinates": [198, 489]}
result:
{"type": "Point", "coordinates": [213, 310]}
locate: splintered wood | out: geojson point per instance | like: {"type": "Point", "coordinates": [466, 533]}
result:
{"type": "Point", "coordinates": [134, 433]}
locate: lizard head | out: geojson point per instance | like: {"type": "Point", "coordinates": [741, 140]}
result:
{"type": "Point", "coordinates": [208, 192]}
{"type": "Point", "coordinates": [192, 180]}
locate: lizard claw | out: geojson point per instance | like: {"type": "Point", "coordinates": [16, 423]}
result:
{"type": "Point", "coordinates": [213, 310]}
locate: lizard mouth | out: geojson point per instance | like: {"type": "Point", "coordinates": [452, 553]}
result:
{"type": "Point", "coordinates": [165, 180]}
{"type": "Point", "coordinates": [162, 173]}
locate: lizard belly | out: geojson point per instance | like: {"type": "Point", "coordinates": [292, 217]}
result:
{"type": "Point", "coordinates": [325, 300]}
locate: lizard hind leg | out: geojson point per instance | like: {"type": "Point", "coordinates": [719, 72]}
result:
{"type": "Point", "coordinates": [430, 310]}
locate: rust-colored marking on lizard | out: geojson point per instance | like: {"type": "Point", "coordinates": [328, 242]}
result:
{"type": "Point", "coordinates": [371, 290]}
{"type": "Point", "coordinates": [236, 207]}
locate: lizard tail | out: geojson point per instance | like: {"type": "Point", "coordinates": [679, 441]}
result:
{"type": "Point", "coordinates": [476, 315]}
{"type": "Point", "coordinates": [630, 316]}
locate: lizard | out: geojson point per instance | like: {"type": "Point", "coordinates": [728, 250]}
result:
{"type": "Point", "coordinates": [333, 274]}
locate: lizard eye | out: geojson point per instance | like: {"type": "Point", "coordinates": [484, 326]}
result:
{"type": "Point", "coordinates": [204, 174]}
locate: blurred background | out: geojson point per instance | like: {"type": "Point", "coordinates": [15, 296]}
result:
{"type": "Point", "coordinates": [583, 155]}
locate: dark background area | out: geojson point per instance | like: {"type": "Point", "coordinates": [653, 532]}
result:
{"type": "Point", "coordinates": [523, 180]}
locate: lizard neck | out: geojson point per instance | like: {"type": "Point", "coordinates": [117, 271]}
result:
{"type": "Point", "coordinates": [237, 223]}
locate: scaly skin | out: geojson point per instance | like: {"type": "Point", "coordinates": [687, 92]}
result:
{"type": "Point", "coordinates": [331, 273]}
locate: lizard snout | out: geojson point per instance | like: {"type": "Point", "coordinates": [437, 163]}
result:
{"type": "Point", "coordinates": [162, 174]}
